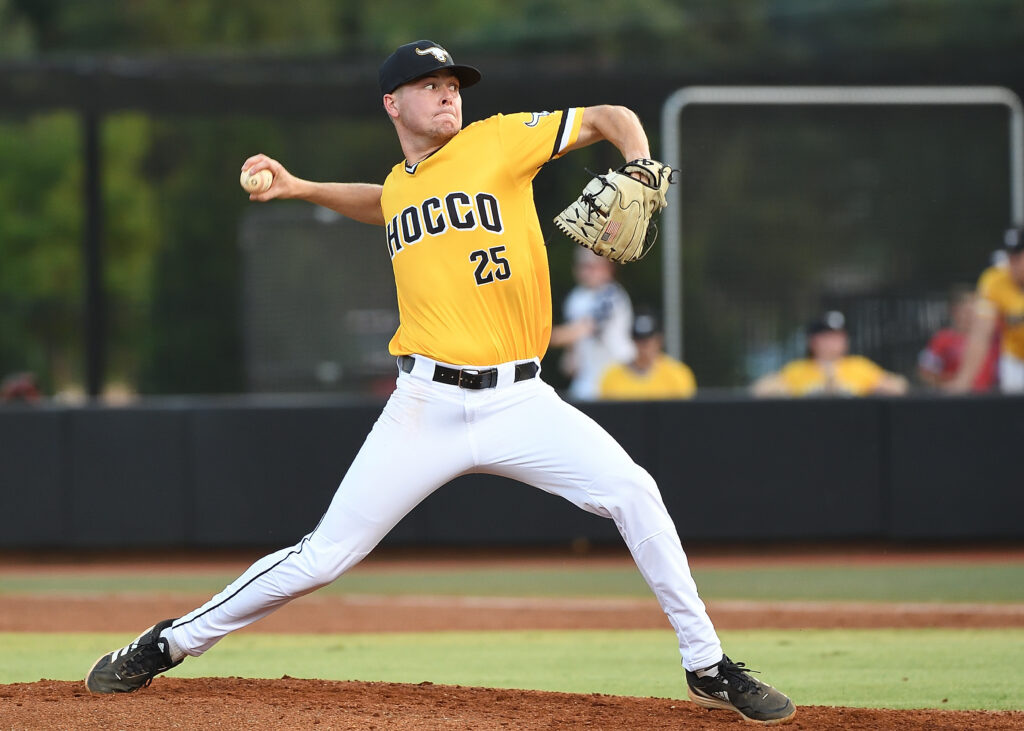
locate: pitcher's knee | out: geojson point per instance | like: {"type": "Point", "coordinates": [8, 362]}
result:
{"type": "Point", "coordinates": [316, 580]}
{"type": "Point", "coordinates": [317, 566]}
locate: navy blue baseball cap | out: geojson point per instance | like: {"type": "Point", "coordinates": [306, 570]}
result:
{"type": "Point", "coordinates": [829, 322]}
{"type": "Point", "coordinates": [645, 325]}
{"type": "Point", "coordinates": [421, 58]}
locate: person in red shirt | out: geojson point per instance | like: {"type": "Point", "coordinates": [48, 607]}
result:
{"type": "Point", "coordinates": [19, 387]}
{"type": "Point", "coordinates": [940, 360]}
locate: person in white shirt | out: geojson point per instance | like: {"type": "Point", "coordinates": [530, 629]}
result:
{"type": "Point", "coordinates": [598, 324]}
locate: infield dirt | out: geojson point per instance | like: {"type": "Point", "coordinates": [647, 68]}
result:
{"type": "Point", "coordinates": [290, 703]}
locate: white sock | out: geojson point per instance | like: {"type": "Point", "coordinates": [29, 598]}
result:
{"type": "Point", "coordinates": [711, 672]}
{"type": "Point", "coordinates": [173, 649]}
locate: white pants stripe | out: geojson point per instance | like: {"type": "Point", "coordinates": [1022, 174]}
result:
{"type": "Point", "coordinates": [430, 433]}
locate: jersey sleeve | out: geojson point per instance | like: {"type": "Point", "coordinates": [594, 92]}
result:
{"type": "Point", "coordinates": [796, 377]}
{"type": "Point", "coordinates": [990, 287]}
{"type": "Point", "coordinates": [609, 387]}
{"type": "Point", "coordinates": [686, 382]}
{"type": "Point", "coordinates": [530, 139]}
{"type": "Point", "coordinates": [864, 374]}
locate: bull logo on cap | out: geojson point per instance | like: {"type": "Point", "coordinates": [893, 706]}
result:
{"type": "Point", "coordinates": [439, 53]}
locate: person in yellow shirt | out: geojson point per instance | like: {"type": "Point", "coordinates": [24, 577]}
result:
{"type": "Point", "coordinates": [829, 369]}
{"type": "Point", "coordinates": [470, 264]}
{"type": "Point", "coordinates": [652, 374]}
{"type": "Point", "coordinates": [999, 308]}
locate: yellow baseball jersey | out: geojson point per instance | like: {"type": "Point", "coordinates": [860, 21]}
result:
{"type": "Point", "coordinates": [997, 286]}
{"type": "Point", "coordinates": [667, 379]}
{"type": "Point", "coordinates": [468, 255]}
{"type": "Point", "coordinates": [853, 375]}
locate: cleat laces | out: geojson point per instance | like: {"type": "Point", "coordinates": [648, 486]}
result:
{"type": "Point", "coordinates": [735, 675]}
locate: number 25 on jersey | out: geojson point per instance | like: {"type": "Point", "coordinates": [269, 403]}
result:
{"type": "Point", "coordinates": [490, 265]}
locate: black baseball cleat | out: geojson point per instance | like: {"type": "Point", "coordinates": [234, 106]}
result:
{"type": "Point", "coordinates": [134, 666]}
{"type": "Point", "coordinates": [734, 690]}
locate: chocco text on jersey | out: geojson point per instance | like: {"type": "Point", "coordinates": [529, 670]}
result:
{"type": "Point", "coordinates": [457, 211]}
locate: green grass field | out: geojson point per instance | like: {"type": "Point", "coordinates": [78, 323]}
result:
{"type": "Point", "coordinates": [951, 669]}
{"type": "Point", "coordinates": [953, 582]}
{"type": "Point", "coordinates": [906, 668]}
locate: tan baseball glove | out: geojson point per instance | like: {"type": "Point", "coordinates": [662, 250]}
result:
{"type": "Point", "coordinates": [612, 217]}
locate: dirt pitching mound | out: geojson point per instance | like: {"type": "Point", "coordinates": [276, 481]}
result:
{"type": "Point", "coordinates": [291, 703]}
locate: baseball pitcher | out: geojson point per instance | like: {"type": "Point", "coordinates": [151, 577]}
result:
{"type": "Point", "coordinates": [461, 230]}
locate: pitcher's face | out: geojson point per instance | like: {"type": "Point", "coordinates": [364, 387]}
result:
{"type": "Point", "coordinates": [429, 107]}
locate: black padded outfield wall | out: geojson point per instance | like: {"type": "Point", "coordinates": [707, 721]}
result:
{"type": "Point", "coordinates": [210, 473]}
{"type": "Point", "coordinates": [956, 472]}
{"type": "Point", "coordinates": [773, 469]}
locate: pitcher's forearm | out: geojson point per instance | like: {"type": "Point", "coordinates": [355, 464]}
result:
{"type": "Point", "coordinates": [358, 201]}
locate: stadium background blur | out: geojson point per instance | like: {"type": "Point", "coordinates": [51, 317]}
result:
{"type": "Point", "coordinates": [131, 263]}
{"type": "Point", "coordinates": [249, 343]}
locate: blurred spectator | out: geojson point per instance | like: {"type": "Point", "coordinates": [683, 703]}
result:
{"type": "Point", "coordinates": [596, 332]}
{"type": "Point", "coordinates": [652, 374]}
{"type": "Point", "coordinates": [829, 370]}
{"type": "Point", "coordinates": [999, 309]}
{"type": "Point", "coordinates": [19, 387]}
{"type": "Point", "coordinates": [940, 361]}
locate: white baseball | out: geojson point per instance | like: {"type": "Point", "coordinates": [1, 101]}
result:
{"type": "Point", "coordinates": [257, 183]}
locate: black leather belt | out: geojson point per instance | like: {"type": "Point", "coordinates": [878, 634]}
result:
{"type": "Point", "coordinates": [470, 377]}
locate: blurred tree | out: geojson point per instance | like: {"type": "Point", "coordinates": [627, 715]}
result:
{"type": "Point", "coordinates": [167, 25]}
{"type": "Point", "coordinates": [131, 238]}
{"type": "Point", "coordinates": [16, 36]}
{"type": "Point", "coordinates": [701, 34]}
{"type": "Point", "coordinates": [40, 231]}
{"type": "Point", "coordinates": [40, 242]}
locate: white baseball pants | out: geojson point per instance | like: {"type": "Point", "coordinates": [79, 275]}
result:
{"type": "Point", "coordinates": [519, 430]}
